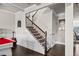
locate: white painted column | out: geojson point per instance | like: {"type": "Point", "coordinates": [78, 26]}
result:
{"type": "Point", "coordinates": [69, 29]}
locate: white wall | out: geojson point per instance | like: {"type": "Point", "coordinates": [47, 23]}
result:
{"type": "Point", "coordinates": [54, 22]}
{"type": "Point", "coordinates": [24, 37]}
{"type": "Point", "coordinates": [76, 16]}
{"type": "Point", "coordinates": [44, 19]}
{"type": "Point", "coordinates": [54, 26]}
{"type": "Point", "coordinates": [7, 20]}
{"type": "Point", "coordinates": [61, 15]}
{"type": "Point", "coordinates": [61, 33]}
{"type": "Point", "coordinates": [76, 20]}
{"type": "Point", "coordinates": [69, 29]}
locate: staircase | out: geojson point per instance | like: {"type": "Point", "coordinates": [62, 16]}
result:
{"type": "Point", "coordinates": [38, 33]}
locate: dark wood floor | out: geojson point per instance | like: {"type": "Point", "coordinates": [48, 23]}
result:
{"type": "Point", "coordinates": [22, 51]}
{"type": "Point", "coordinates": [57, 50]}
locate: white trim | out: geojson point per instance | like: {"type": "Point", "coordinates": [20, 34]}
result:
{"type": "Point", "coordinates": [69, 29]}
{"type": "Point", "coordinates": [16, 6]}
{"type": "Point", "coordinates": [18, 12]}
{"type": "Point", "coordinates": [2, 10]}
{"type": "Point", "coordinates": [60, 43]}
{"type": "Point", "coordinates": [51, 46]}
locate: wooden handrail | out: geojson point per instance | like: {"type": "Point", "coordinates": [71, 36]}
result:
{"type": "Point", "coordinates": [36, 25]}
{"type": "Point", "coordinates": [35, 13]}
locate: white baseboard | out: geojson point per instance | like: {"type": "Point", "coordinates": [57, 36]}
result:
{"type": "Point", "coordinates": [59, 43]}
{"type": "Point", "coordinates": [52, 45]}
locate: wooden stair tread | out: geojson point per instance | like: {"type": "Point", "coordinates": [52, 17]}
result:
{"type": "Point", "coordinates": [30, 27]}
{"type": "Point", "coordinates": [43, 43]}
{"type": "Point", "coordinates": [41, 40]}
{"type": "Point", "coordinates": [37, 35]}
{"type": "Point", "coordinates": [34, 31]}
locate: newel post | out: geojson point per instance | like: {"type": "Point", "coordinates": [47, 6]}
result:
{"type": "Point", "coordinates": [45, 43]}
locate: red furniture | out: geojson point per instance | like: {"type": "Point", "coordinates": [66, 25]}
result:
{"type": "Point", "coordinates": [5, 46]}
{"type": "Point", "coordinates": [5, 41]}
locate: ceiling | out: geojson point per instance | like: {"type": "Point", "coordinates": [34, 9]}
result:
{"type": "Point", "coordinates": [59, 8]}
{"type": "Point", "coordinates": [23, 5]}
{"type": "Point", "coordinates": [14, 7]}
